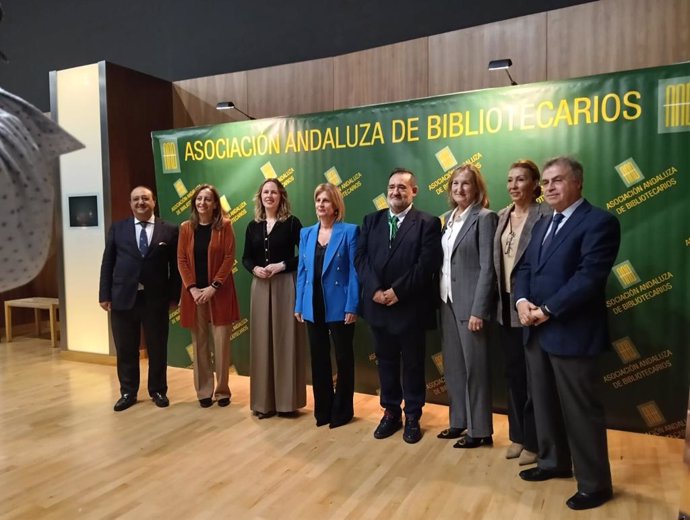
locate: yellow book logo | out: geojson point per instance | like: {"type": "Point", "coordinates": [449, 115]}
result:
{"type": "Point", "coordinates": [268, 171]}
{"type": "Point", "coordinates": [625, 273]}
{"type": "Point", "coordinates": [446, 159]}
{"type": "Point", "coordinates": [380, 202]}
{"type": "Point", "coordinates": [438, 361]}
{"type": "Point", "coordinates": [626, 350]}
{"type": "Point", "coordinates": [180, 188]}
{"type": "Point", "coordinates": [169, 158]}
{"type": "Point", "coordinates": [225, 204]}
{"type": "Point", "coordinates": [651, 414]}
{"type": "Point", "coordinates": [674, 105]}
{"type": "Point", "coordinates": [629, 172]}
{"type": "Point", "coordinates": [332, 176]}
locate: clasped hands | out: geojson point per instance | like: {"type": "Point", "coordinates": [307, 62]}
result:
{"type": "Point", "coordinates": [202, 295]}
{"type": "Point", "coordinates": [269, 270]}
{"type": "Point", "coordinates": [387, 297]}
{"type": "Point", "coordinates": [530, 314]}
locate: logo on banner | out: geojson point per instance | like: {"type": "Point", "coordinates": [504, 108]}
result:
{"type": "Point", "coordinates": [674, 105]}
{"type": "Point", "coordinates": [268, 171]}
{"type": "Point", "coordinates": [629, 172]}
{"type": "Point", "coordinates": [380, 202]}
{"type": "Point", "coordinates": [332, 176]}
{"type": "Point", "coordinates": [626, 350]}
{"type": "Point", "coordinates": [225, 204]}
{"type": "Point", "coordinates": [180, 188]}
{"type": "Point", "coordinates": [651, 414]}
{"type": "Point", "coordinates": [438, 361]}
{"type": "Point", "coordinates": [625, 273]}
{"type": "Point", "coordinates": [446, 158]}
{"type": "Point", "coordinates": [169, 157]}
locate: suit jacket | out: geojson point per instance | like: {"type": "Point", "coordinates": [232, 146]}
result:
{"type": "Point", "coordinates": [570, 279]}
{"type": "Point", "coordinates": [473, 280]}
{"type": "Point", "coordinates": [338, 277]}
{"type": "Point", "coordinates": [536, 211]}
{"type": "Point", "coordinates": [123, 268]}
{"type": "Point", "coordinates": [221, 258]}
{"type": "Point", "coordinates": [409, 266]}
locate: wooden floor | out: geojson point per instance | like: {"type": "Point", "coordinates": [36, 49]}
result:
{"type": "Point", "coordinates": [65, 454]}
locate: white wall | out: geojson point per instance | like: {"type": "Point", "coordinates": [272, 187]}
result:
{"type": "Point", "coordinates": [81, 173]}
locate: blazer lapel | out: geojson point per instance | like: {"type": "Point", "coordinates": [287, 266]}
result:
{"type": "Point", "coordinates": [407, 224]}
{"type": "Point", "coordinates": [155, 238]}
{"type": "Point", "coordinates": [532, 218]}
{"type": "Point", "coordinates": [563, 232]}
{"type": "Point", "coordinates": [471, 219]}
{"type": "Point", "coordinates": [333, 245]}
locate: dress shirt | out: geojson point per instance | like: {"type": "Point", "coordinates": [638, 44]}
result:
{"type": "Point", "coordinates": [567, 213]}
{"type": "Point", "coordinates": [149, 230]}
{"type": "Point", "coordinates": [448, 242]}
{"type": "Point", "coordinates": [401, 216]}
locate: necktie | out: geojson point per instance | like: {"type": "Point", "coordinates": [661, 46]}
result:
{"type": "Point", "coordinates": [393, 221]}
{"type": "Point", "coordinates": [143, 240]}
{"type": "Point", "coordinates": [555, 222]}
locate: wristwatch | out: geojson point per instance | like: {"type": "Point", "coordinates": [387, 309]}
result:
{"type": "Point", "coordinates": [545, 310]}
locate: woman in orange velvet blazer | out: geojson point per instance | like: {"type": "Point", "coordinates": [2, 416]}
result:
{"type": "Point", "coordinates": [208, 305]}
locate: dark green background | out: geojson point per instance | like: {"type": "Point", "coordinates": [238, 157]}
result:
{"type": "Point", "coordinates": [654, 233]}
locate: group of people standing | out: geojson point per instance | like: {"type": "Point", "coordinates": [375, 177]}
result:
{"type": "Point", "coordinates": [539, 270]}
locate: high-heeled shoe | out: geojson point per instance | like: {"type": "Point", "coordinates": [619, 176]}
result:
{"type": "Point", "coordinates": [473, 442]}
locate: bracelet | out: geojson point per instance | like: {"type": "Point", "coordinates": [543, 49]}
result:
{"type": "Point", "coordinates": [216, 285]}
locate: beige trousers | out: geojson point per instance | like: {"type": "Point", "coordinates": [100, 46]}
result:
{"type": "Point", "coordinates": [277, 347]}
{"type": "Point", "coordinates": [203, 363]}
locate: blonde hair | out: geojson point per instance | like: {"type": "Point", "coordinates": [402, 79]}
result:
{"type": "Point", "coordinates": [335, 197]}
{"type": "Point", "coordinates": [283, 207]}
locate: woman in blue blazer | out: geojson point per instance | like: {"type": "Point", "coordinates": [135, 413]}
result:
{"type": "Point", "coordinates": [327, 299]}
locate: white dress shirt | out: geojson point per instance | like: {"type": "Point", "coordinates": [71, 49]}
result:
{"type": "Point", "coordinates": [455, 223]}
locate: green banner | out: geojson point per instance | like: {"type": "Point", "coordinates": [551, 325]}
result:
{"type": "Point", "coordinates": [631, 131]}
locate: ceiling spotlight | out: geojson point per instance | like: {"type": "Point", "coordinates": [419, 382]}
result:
{"type": "Point", "coordinates": [229, 105]}
{"type": "Point", "coordinates": [503, 64]}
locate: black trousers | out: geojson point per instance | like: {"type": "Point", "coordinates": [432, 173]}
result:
{"type": "Point", "coordinates": [391, 349]}
{"type": "Point", "coordinates": [521, 427]}
{"type": "Point", "coordinates": [152, 314]}
{"type": "Point", "coordinates": [332, 403]}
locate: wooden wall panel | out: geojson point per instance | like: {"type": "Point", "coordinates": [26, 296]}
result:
{"type": "Point", "coordinates": [614, 35]}
{"type": "Point", "coordinates": [194, 100]}
{"type": "Point", "coordinates": [385, 74]}
{"type": "Point", "coordinates": [458, 60]}
{"type": "Point", "coordinates": [298, 88]}
{"type": "Point", "coordinates": [138, 104]}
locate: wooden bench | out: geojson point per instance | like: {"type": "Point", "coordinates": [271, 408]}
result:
{"type": "Point", "coordinates": [37, 304]}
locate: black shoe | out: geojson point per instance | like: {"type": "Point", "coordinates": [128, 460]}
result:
{"type": "Point", "coordinates": [205, 402]}
{"type": "Point", "coordinates": [224, 401]}
{"type": "Point", "coordinates": [264, 415]}
{"type": "Point", "coordinates": [539, 475]}
{"type": "Point", "coordinates": [413, 432]}
{"type": "Point", "coordinates": [589, 500]}
{"type": "Point", "coordinates": [467, 442]}
{"type": "Point", "coordinates": [160, 400]}
{"type": "Point", "coordinates": [289, 415]}
{"type": "Point", "coordinates": [451, 433]}
{"type": "Point", "coordinates": [336, 423]}
{"type": "Point", "coordinates": [388, 426]}
{"type": "Point", "coordinates": [124, 402]}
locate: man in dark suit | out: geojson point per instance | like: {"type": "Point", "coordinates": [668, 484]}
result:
{"type": "Point", "coordinates": [560, 296]}
{"type": "Point", "coordinates": [139, 284]}
{"type": "Point", "coordinates": [398, 259]}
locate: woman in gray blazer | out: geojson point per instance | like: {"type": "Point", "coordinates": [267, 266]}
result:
{"type": "Point", "coordinates": [467, 293]}
{"type": "Point", "coordinates": [513, 233]}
